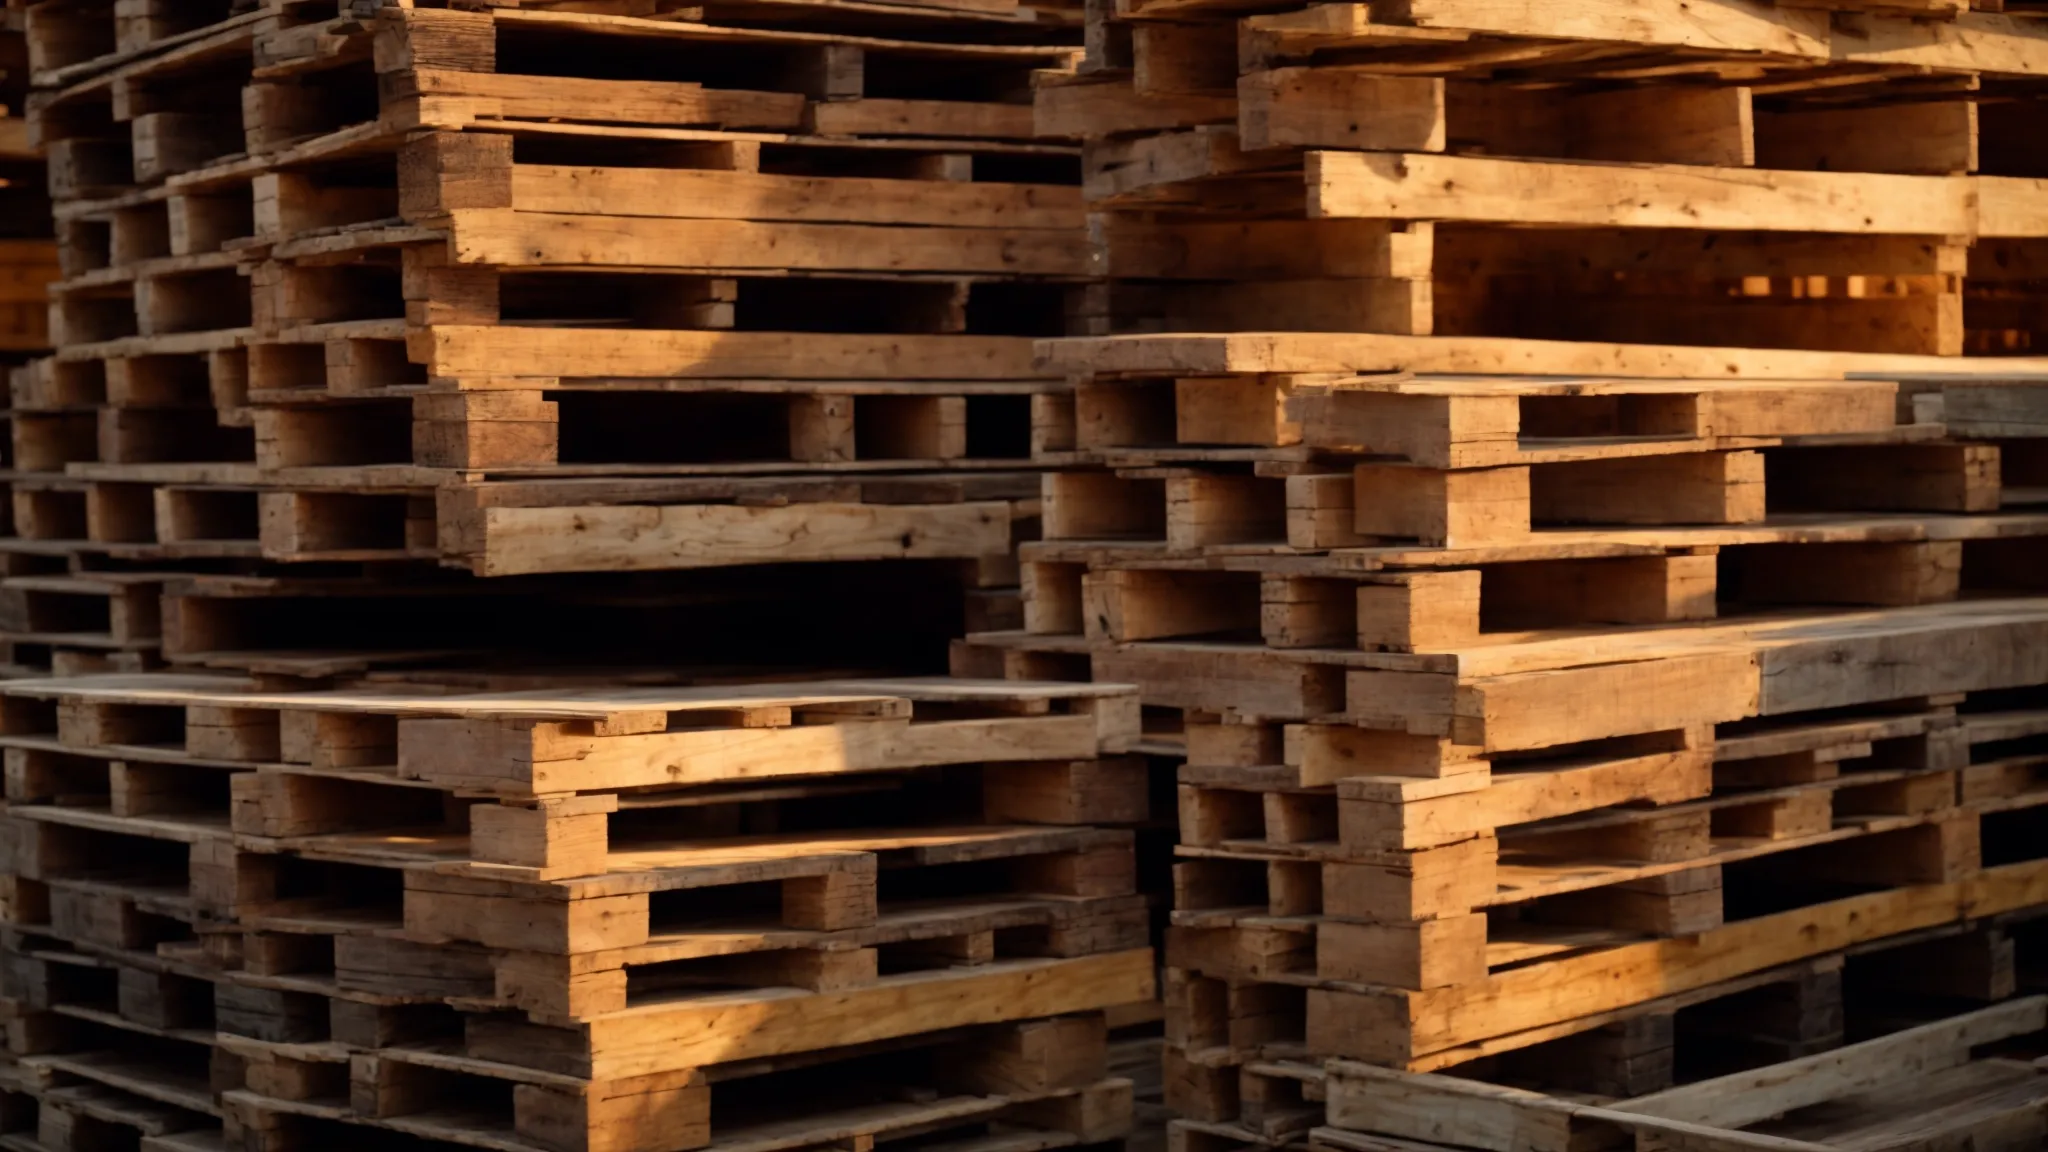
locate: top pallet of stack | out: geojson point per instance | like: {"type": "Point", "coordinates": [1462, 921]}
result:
{"type": "Point", "coordinates": [279, 91]}
{"type": "Point", "coordinates": [71, 40]}
{"type": "Point", "coordinates": [1740, 173]}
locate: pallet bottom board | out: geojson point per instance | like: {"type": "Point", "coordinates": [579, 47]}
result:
{"type": "Point", "coordinates": [1102, 1111]}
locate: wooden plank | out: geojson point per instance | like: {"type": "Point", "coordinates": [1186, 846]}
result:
{"type": "Point", "coordinates": [1743, 1098]}
{"type": "Point", "coordinates": [2004, 634]}
{"type": "Point", "coordinates": [644, 537]}
{"type": "Point", "coordinates": [1381, 814]}
{"type": "Point", "coordinates": [1424, 186]}
{"type": "Point", "coordinates": [719, 195]}
{"type": "Point", "coordinates": [1726, 25]}
{"type": "Point", "coordinates": [1334, 107]}
{"type": "Point", "coordinates": [1970, 648]}
{"type": "Point", "coordinates": [1995, 408]}
{"type": "Point", "coordinates": [1531, 710]}
{"type": "Point", "coordinates": [1496, 1118]}
{"type": "Point", "coordinates": [450, 98]}
{"type": "Point", "coordinates": [2015, 44]}
{"type": "Point", "coordinates": [2011, 206]}
{"type": "Point", "coordinates": [1364, 352]}
{"type": "Point", "coordinates": [537, 239]}
{"type": "Point", "coordinates": [497, 352]}
{"type": "Point", "coordinates": [459, 754]}
{"type": "Point", "coordinates": [1255, 681]}
{"type": "Point", "coordinates": [1447, 1110]}
{"type": "Point", "coordinates": [601, 702]}
{"type": "Point", "coordinates": [955, 119]}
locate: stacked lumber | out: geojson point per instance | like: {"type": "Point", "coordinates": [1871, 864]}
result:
{"type": "Point", "coordinates": [1515, 449]}
{"type": "Point", "coordinates": [644, 919]}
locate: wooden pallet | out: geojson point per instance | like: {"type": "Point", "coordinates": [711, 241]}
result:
{"type": "Point", "coordinates": [1286, 604]}
{"type": "Point", "coordinates": [513, 527]}
{"type": "Point", "coordinates": [1381, 517]}
{"type": "Point", "coordinates": [978, 721]}
{"type": "Point", "coordinates": [115, 1036]}
{"type": "Point", "coordinates": [346, 780]}
{"type": "Point", "coordinates": [1274, 1099]}
{"type": "Point", "coordinates": [1360, 353]}
{"type": "Point", "coordinates": [166, 513]}
{"type": "Point", "coordinates": [73, 39]}
{"type": "Point", "coordinates": [306, 195]}
{"type": "Point", "coordinates": [706, 427]}
{"type": "Point", "coordinates": [368, 341]}
{"type": "Point", "coordinates": [177, 111]}
{"type": "Point", "coordinates": [1355, 171]}
{"type": "Point", "coordinates": [1435, 891]}
{"type": "Point", "coordinates": [1568, 996]}
{"type": "Point", "coordinates": [1452, 422]}
{"type": "Point", "coordinates": [1278, 886]}
{"type": "Point", "coordinates": [1858, 1092]}
{"type": "Point", "coordinates": [1056, 1092]}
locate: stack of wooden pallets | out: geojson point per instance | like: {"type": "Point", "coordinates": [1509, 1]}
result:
{"type": "Point", "coordinates": [542, 288]}
{"type": "Point", "coordinates": [1507, 781]}
{"type": "Point", "coordinates": [652, 919]}
{"type": "Point", "coordinates": [528, 289]}
{"type": "Point", "coordinates": [1544, 459]}
{"type": "Point", "coordinates": [1542, 466]}
{"type": "Point", "coordinates": [497, 463]}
